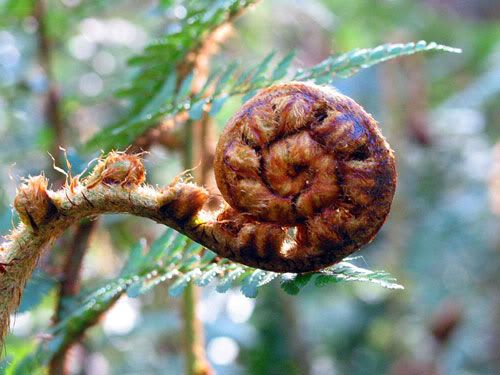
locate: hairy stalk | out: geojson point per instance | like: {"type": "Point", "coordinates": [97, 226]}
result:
{"type": "Point", "coordinates": [165, 134]}
{"type": "Point", "coordinates": [46, 215]}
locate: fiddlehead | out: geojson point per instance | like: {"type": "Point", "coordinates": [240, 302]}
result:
{"type": "Point", "coordinates": [308, 175]}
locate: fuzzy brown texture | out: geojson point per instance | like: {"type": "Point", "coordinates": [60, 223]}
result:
{"type": "Point", "coordinates": [117, 168]}
{"type": "Point", "coordinates": [306, 172]}
{"type": "Point", "coordinates": [32, 202]}
{"type": "Point", "coordinates": [308, 175]}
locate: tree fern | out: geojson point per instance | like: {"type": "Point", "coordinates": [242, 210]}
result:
{"type": "Point", "coordinates": [232, 82]}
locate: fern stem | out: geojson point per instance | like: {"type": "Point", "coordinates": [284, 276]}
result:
{"type": "Point", "coordinates": [196, 363]}
{"type": "Point", "coordinates": [194, 341]}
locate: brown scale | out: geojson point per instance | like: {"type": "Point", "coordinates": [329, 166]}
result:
{"type": "Point", "coordinates": [301, 156]}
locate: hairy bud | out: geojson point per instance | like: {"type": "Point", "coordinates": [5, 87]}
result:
{"type": "Point", "coordinates": [118, 169]}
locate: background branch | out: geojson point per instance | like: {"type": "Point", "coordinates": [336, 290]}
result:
{"type": "Point", "coordinates": [52, 109]}
{"type": "Point", "coordinates": [70, 285]}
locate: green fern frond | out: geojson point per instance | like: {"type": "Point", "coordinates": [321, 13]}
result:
{"type": "Point", "coordinates": [161, 57]}
{"type": "Point", "coordinates": [165, 52]}
{"type": "Point", "coordinates": [176, 259]}
{"type": "Point", "coordinates": [347, 64]}
{"type": "Point", "coordinates": [232, 82]}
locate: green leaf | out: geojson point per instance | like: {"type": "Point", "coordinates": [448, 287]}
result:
{"type": "Point", "coordinates": [211, 78]}
{"type": "Point", "coordinates": [251, 80]}
{"type": "Point", "coordinates": [172, 257]}
{"type": "Point", "coordinates": [163, 96]}
{"type": "Point", "coordinates": [147, 93]}
{"type": "Point", "coordinates": [225, 77]}
{"type": "Point", "coordinates": [249, 95]}
{"type": "Point", "coordinates": [192, 249]}
{"type": "Point", "coordinates": [173, 252]}
{"type": "Point", "coordinates": [4, 363]}
{"type": "Point", "coordinates": [147, 282]}
{"type": "Point", "coordinates": [282, 68]}
{"type": "Point", "coordinates": [262, 67]}
{"type": "Point", "coordinates": [182, 282]}
{"type": "Point", "coordinates": [185, 88]}
{"type": "Point", "coordinates": [217, 105]}
{"type": "Point", "coordinates": [166, 245]}
{"type": "Point", "coordinates": [292, 283]}
{"type": "Point", "coordinates": [135, 258]}
{"type": "Point", "coordinates": [232, 276]}
{"type": "Point", "coordinates": [254, 281]}
{"type": "Point", "coordinates": [345, 271]}
{"type": "Point", "coordinates": [208, 256]}
{"type": "Point", "coordinates": [196, 110]}
{"type": "Point", "coordinates": [209, 274]}
{"type": "Point", "coordinates": [349, 63]}
{"type": "Point", "coordinates": [242, 79]}
{"type": "Point", "coordinates": [37, 288]}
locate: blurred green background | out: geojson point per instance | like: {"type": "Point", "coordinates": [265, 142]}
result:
{"type": "Point", "coordinates": [440, 112]}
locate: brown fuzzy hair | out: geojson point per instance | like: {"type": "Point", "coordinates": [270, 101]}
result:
{"type": "Point", "coordinates": [303, 157]}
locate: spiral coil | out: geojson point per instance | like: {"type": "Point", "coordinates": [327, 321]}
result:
{"type": "Point", "coordinates": [308, 175]}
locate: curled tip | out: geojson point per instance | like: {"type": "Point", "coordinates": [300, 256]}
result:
{"type": "Point", "coordinates": [305, 159]}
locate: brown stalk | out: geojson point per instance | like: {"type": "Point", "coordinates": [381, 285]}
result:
{"type": "Point", "coordinates": [70, 282]}
{"type": "Point", "coordinates": [52, 101]}
{"type": "Point", "coordinates": [417, 106]}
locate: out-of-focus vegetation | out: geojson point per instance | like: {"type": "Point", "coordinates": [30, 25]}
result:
{"type": "Point", "coordinates": [439, 112]}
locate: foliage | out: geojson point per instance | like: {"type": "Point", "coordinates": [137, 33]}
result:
{"type": "Point", "coordinates": [175, 259]}
{"type": "Point", "coordinates": [156, 79]}
{"type": "Point", "coordinates": [229, 82]}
